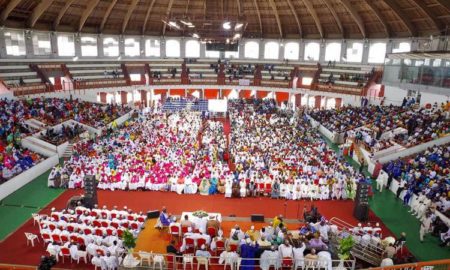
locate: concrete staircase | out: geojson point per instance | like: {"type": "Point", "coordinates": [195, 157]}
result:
{"type": "Point", "coordinates": [68, 152]}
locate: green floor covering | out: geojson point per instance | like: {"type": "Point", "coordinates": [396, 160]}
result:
{"type": "Point", "coordinates": [17, 207]}
{"type": "Point", "coordinates": [396, 217]}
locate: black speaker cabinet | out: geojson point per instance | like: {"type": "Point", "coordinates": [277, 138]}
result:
{"type": "Point", "coordinates": [153, 214]}
{"type": "Point", "coordinates": [257, 218]}
{"type": "Point", "coordinates": [361, 212]}
{"type": "Point", "coordinates": [90, 191]}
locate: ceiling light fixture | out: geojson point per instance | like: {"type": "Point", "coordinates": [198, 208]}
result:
{"type": "Point", "coordinates": [238, 26]}
{"type": "Point", "coordinates": [226, 25]}
{"type": "Point", "coordinates": [195, 35]}
{"type": "Point", "coordinates": [185, 23]}
{"type": "Point", "coordinates": [236, 36]}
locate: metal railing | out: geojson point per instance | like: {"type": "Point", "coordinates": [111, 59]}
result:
{"type": "Point", "coordinates": [150, 260]}
{"type": "Point", "coordinates": [431, 265]}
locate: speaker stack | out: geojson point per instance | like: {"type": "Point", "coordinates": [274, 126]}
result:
{"type": "Point", "coordinates": [361, 209]}
{"type": "Point", "coordinates": [90, 191]}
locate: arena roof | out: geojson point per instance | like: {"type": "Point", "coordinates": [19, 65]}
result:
{"type": "Point", "coordinates": [261, 18]}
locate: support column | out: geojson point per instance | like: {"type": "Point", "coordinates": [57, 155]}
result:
{"type": "Point", "coordinates": [317, 102]}
{"type": "Point", "coordinates": [100, 46]}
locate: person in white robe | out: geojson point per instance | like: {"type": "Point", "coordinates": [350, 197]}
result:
{"type": "Point", "coordinates": [228, 257]}
{"type": "Point", "coordinates": [286, 250]}
{"type": "Point", "coordinates": [270, 258]}
{"type": "Point", "coordinates": [74, 251]}
{"type": "Point", "coordinates": [228, 189]}
{"type": "Point", "coordinates": [299, 255]}
{"type": "Point", "coordinates": [243, 188]}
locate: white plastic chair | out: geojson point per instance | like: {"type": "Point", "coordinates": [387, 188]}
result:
{"type": "Point", "coordinates": [83, 255]}
{"type": "Point", "coordinates": [36, 218]}
{"type": "Point", "coordinates": [158, 260]}
{"type": "Point", "coordinates": [145, 256]}
{"type": "Point", "coordinates": [202, 261]}
{"type": "Point", "coordinates": [30, 238]}
{"type": "Point", "coordinates": [188, 258]}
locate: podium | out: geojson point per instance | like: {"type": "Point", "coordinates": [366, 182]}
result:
{"type": "Point", "coordinates": [361, 208]}
{"type": "Point", "coordinates": [90, 191]}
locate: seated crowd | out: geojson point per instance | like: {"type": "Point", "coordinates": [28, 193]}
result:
{"type": "Point", "coordinates": [283, 151]}
{"type": "Point", "coordinates": [14, 159]}
{"type": "Point", "coordinates": [273, 154]}
{"type": "Point", "coordinates": [89, 234]}
{"type": "Point", "coordinates": [407, 126]}
{"type": "Point", "coordinates": [66, 133]}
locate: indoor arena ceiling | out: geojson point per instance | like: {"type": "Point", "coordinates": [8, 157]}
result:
{"type": "Point", "coordinates": [261, 18]}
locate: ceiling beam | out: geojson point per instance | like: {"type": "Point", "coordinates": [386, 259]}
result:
{"type": "Point", "coordinates": [106, 16]}
{"type": "Point", "coordinates": [355, 16]}
{"type": "Point", "coordinates": [259, 18]}
{"type": "Point", "coordinates": [313, 13]}
{"type": "Point", "coordinates": [169, 8]}
{"type": "Point", "coordinates": [299, 25]}
{"type": "Point", "coordinates": [38, 11]}
{"type": "Point", "coordinates": [379, 17]}
{"type": "Point", "coordinates": [61, 13]}
{"type": "Point", "coordinates": [147, 15]}
{"type": "Point", "coordinates": [187, 7]}
{"type": "Point", "coordinates": [239, 8]}
{"type": "Point", "coordinates": [87, 12]}
{"type": "Point", "coordinates": [10, 7]}
{"type": "Point", "coordinates": [401, 15]}
{"type": "Point", "coordinates": [439, 26]}
{"type": "Point", "coordinates": [277, 17]}
{"type": "Point", "coordinates": [444, 3]}
{"type": "Point", "coordinates": [128, 15]}
{"type": "Point", "coordinates": [335, 16]}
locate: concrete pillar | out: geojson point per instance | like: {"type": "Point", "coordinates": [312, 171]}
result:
{"type": "Point", "coordinates": [54, 43]}
{"type": "Point", "coordinates": [343, 51]}
{"type": "Point", "coordinates": [182, 48]}
{"type": "Point", "coordinates": [261, 49]}
{"type": "Point", "coordinates": [77, 43]}
{"type": "Point", "coordinates": [100, 46]}
{"type": "Point", "coordinates": [142, 46]}
{"type": "Point", "coordinates": [121, 46]}
{"type": "Point", "coordinates": [162, 47]}
{"type": "Point", "coordinates": [365, 56]}
{"type": "Point", "coordinates": [29, 53]}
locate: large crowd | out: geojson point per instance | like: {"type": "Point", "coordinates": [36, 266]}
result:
{"type": "Point", "coordinates": [183, 153]}
{"type": "Point", "coordinates": [385, 126]}
{"type": "Point", "coordinates": [282, 150]}
{"type": "Point", "coordinates": [14, 159]}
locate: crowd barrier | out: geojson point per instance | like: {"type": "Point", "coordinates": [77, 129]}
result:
{"type": "Point", "coordinates": [431, 265]}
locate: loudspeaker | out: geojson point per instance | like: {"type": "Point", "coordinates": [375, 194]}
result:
{"type": "Point", "coordinates": [90, 191]}
{"type": "Point", "coordinates": [361, 212]}
{"type": "Point", "coordinates": [153, 214]}
{"type": "Point", "coordinates": [257, 218]}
